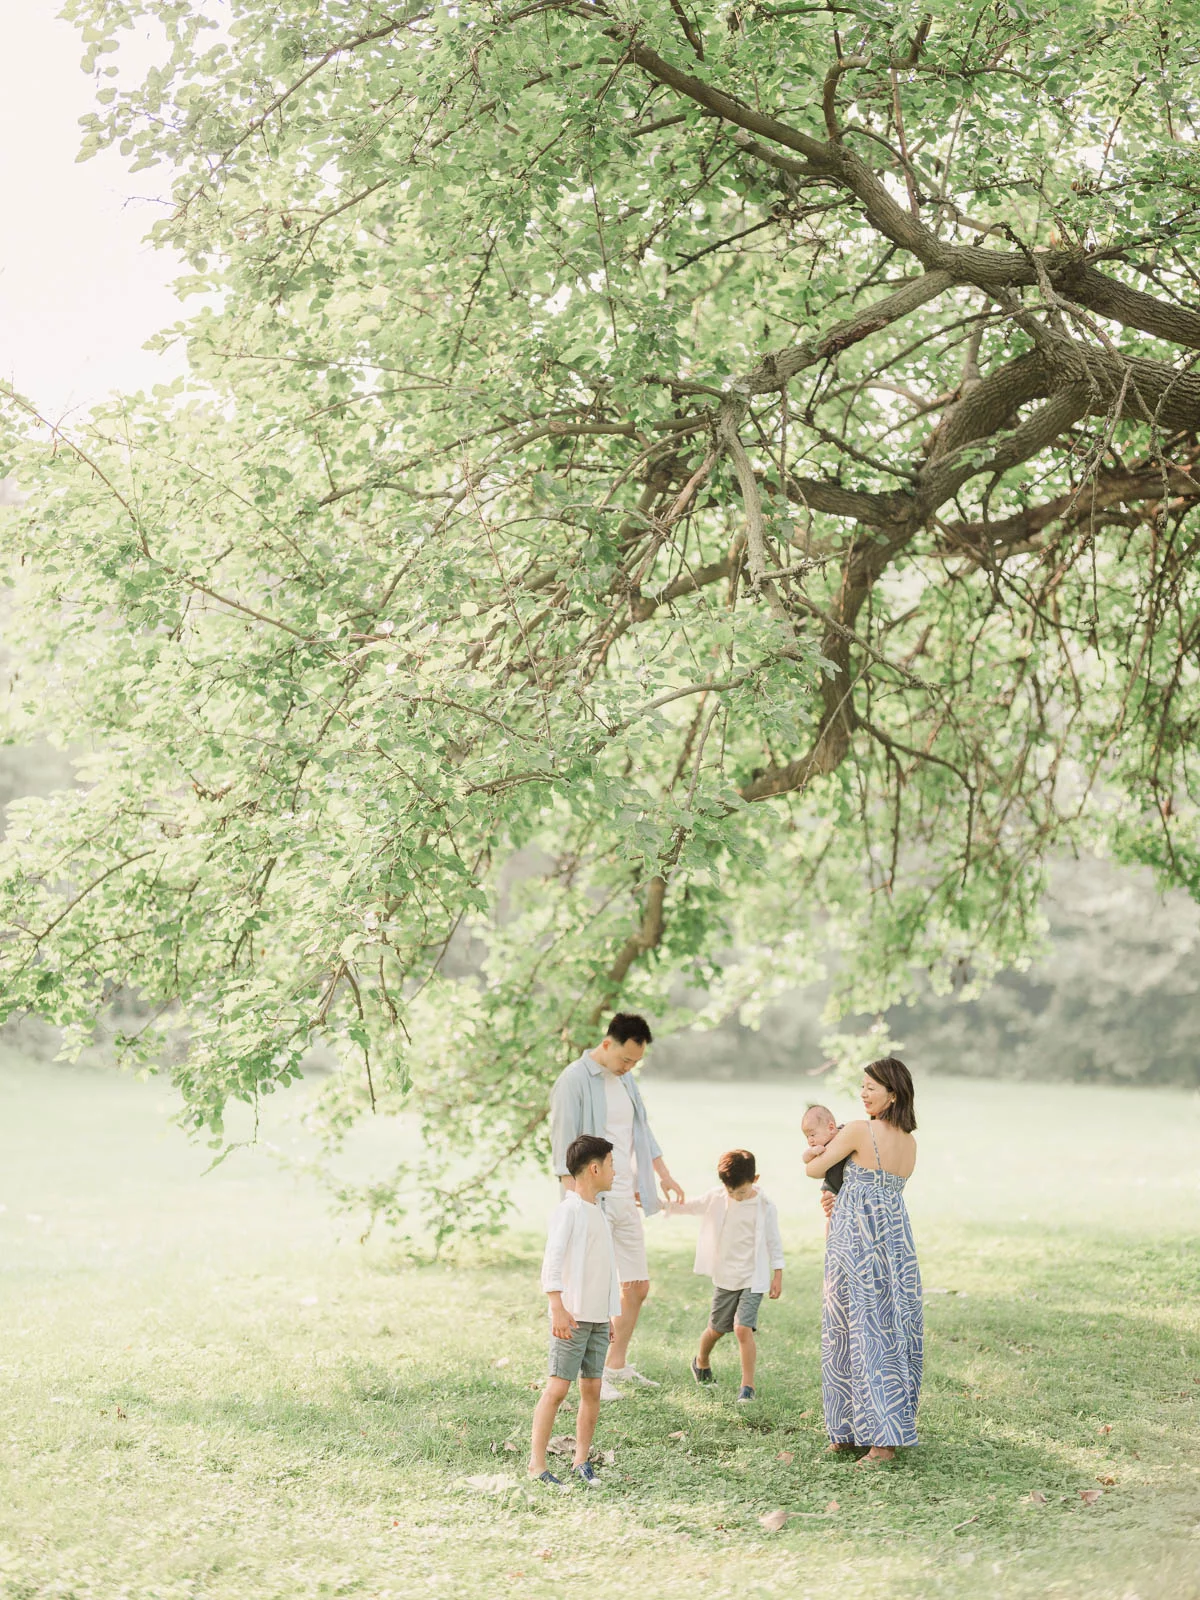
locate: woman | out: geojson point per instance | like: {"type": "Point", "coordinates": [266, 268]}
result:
{"type": "Point", "coordinates": [872, 1327]}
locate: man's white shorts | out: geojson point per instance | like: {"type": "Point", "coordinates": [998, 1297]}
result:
{"type": "Point", "coordinates": [628, 1237]}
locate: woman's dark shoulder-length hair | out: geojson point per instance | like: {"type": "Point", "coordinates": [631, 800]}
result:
{"type": "Point", "coordinates": [895, 1076]}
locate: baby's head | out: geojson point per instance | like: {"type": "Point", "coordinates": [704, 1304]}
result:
{"type": "Point", "coordinates": [818, 1125]}
{"type": "Point", "coordinates": [736, 1169]}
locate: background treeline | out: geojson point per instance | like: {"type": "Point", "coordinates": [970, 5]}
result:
{"type": "Point", "coordinates": [1116, 998]}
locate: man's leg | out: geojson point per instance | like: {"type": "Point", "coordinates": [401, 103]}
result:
{"type": "Point", "coordinates": [585, 1421]}
{"type": "Point", "coordinates": [633, 1297]}
{"type": "Point", "coordinates": [544, 1413]}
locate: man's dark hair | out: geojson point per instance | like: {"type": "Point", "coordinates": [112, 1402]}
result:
{"type": "Point", "coordinates": [737, 1167]}
{"type": "Point", "coordinates": [624, 1027]}
{"type": "Point", "coordinates": [894, 1075]}
{"type": "Point", "coordinates": [583, 1151]}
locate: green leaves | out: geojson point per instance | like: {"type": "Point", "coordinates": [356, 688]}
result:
{"type": "Point", "coordinates": [440, 625]}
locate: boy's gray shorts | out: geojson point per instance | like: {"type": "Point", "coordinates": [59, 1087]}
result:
{"type": "Point", "coordinates": [734, 1305]}
{"type": "Point", "coordinates": [582, 1355]}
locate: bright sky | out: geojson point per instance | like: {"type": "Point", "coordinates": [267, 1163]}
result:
{"type": "Point", "coordinates": [79, 291]}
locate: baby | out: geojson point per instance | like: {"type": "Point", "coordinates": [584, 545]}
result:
{"type": "Point", "coordinates": [818, 1127]}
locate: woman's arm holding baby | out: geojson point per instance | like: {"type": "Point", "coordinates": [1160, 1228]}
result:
{"type": "Point", "coordinates": [845, 1142]}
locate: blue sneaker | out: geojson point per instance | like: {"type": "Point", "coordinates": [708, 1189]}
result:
{"type": "Point", "coordinates": [702, 1374]}
{"type": "Point", "coordinates": [587, 1476]}
{"type": "Point", "coordinates": [745, 1393]}
{"type": "Point", "coordinates": [548, 1477]}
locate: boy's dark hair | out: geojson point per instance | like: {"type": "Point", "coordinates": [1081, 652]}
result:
{"type": "Point", "coordinates": [583, 1151]}
{"type": "Point", "coordinates": [737, 1167]}
{"type": "Point", "coordinates": [894, 1075]}
{"type": "Point", "coordinates": [625, 1026]}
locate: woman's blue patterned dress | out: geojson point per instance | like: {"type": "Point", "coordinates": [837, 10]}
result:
{"type": "Point", "coordinates": [873, 1326]}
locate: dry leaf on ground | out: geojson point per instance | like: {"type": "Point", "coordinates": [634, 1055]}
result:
{"type": "Point", "coordinates": [678, 1434]}
{"type": "Point", "coordinates": [1107, 1478]}
{"type": "Point", "coordinates": [772, 1521]}
{"type": "Point", "coordinates": [1105, 1427]}
{"type": "Point", "coordinates": [542, 1555]}
{"type": "Point", "coordinates": [1037, 1498]}
{"type": "Point", "coordinates": [491, 1482]}
{"type": "Point", "coordinates": [786, 1457]}
{"type": "Point", "coordinates": [1090, 1496]}
{"type": "Point", "coordinates": [562, 1444]}
{"type": "Point", "coordinates": [833, 1506]}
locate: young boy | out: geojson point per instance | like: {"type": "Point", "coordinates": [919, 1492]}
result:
{"type": "Point", "coordinates": [818, 1127]}
{"type": "Point", "coordinates": [740, 1249]}
{"type": "Point", "coordinates": [579, 1274]}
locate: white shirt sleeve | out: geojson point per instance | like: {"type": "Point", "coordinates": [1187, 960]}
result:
{"type": "Point", "coordinates": [554, 1262]}
{"type": "Point", "coordinates": [774, 1237]}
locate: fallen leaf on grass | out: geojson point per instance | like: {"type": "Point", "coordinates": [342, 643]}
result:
{"type": "Point", "coordinates": [786, 1457]}
{"type": "Point", "coordinates": [772, 1521]}
{"type": "Point", "coordinates": [833, 1506]}
{"type": "Point", "coordinates": [1106, 1478]}
{"type": "Point", "coordinates": [609, 1457]}
{"type": "Point", "coordinates": [1037, 1498]}
{"type": "Point", "coordinates": [1105, 1428]}
{"type": "Point", "coordinates": [502, 1362]}
{"type": "Point", "coordinates": [804, 1414]}
{"type": "Point", "coordinates": [562, 1444]}
{"type": "Point", "coordinates": [1090, 1496]}
{"type": "Point", "coordinates": [490, 1482]}
{"type": "Point", "coordinates": [509, 1445]}
{"type": "Point", "coordinates": [678, 1434]}
{"type": "Point", "coordinates": [542, 1555]}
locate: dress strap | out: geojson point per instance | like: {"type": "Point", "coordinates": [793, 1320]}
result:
{"type": "Point", "coordinates": [874, 1146]}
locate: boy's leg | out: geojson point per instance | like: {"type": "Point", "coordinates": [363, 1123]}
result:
{"type": "Point", "coordinates": [708, 1340]}
{"type": "Point", "coordinates": [748, 1349]}
{"type": "Point", "coordinates": [544, 1413]}
{"type": "Point", "coordinates": [585, 1421]}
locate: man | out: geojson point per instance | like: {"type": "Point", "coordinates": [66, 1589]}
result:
{"type": "Point", "coordinates": [596, 1095]}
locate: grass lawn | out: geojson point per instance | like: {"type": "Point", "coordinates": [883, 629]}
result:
{"type": "Point", "coordinates": [207, 1394]}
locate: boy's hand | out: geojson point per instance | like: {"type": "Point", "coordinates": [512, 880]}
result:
{"type": "Point", "coordinates": [776, 1283]}
{"type": "Point", "coordinates": [827, 1202]}
{"type": "Point", "coordinates": [812, 1151]}
{"type": "Point", "coordinates": [562, 1323]}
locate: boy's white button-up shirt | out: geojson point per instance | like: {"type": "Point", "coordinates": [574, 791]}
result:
{"type": "Point", "coordinates": [579, 1257]}
{"type": "Point", "coordinates": [712, 1209]}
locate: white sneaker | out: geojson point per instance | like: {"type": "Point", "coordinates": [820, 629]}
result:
{"type": "Point", "coordinates": [609, 1391]}
{"type": "Point", "coordinates": [632, 1375]}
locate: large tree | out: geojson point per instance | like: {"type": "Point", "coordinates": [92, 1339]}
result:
{"type": "Point", "coordinates": [664, 489]}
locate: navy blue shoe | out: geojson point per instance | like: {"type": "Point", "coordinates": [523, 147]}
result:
{"type": "Point", "coordinates": [745, 1393]}
{"type": "Point", "coordinates": [702, 1374]}
{"type": "Point", "coordinates": [586, 1474]}
{"type": "Point", "coordinates": [549, 1478]}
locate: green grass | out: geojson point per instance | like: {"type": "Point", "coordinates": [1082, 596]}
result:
{"type": "Point", "coordinates": [208, 1394]}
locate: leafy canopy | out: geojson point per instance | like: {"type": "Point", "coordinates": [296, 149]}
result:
{"type": "Point", "coordinates": [657, 480]}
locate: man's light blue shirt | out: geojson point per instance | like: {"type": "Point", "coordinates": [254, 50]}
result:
{"type": "Point", "coordinates": [577, 1106]}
